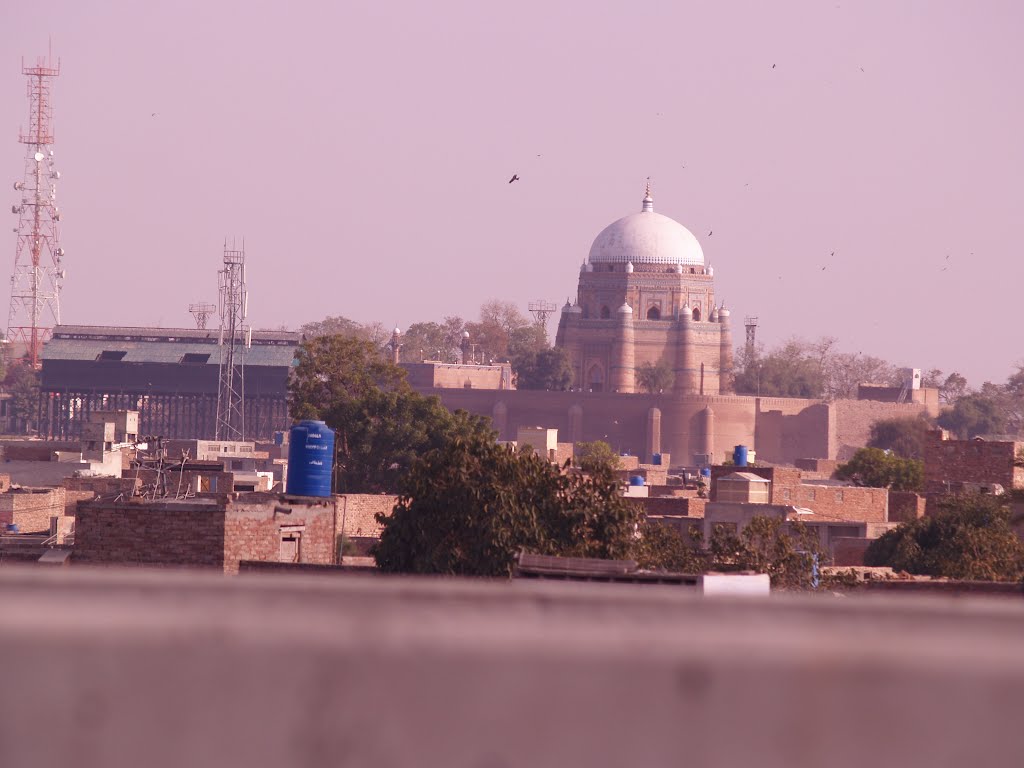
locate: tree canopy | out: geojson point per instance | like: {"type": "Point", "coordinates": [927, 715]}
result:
{"type": "Point", "coordinates": [970, 537]}
{"type": "Point", "coordinates": [595, 455]}
{"type": "Point", "coordinates": [974, 414]}
{"type": "Point", "coordinates": [655, 377]}
{"type": "Point", "coordinates": [906, 437]}
{"type": "Point", "coordinates": [875, 468]}
{"type": "Point", "coordinates": [380, 424]}
{"type": "Point", "coordinates": [547, 369]}
{"type": "Point", "coordinates": [470, 506]}
{"type": "Point", "coordinates": [335, 368]}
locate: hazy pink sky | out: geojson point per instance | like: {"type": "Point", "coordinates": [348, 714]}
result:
{"type": "Point", "coordinates": [364, 149]}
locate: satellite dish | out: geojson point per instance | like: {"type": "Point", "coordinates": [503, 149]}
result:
{"type": "Point", "coordinates": [39, 157]}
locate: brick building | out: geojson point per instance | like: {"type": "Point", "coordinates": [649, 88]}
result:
{"type": "Point", "coordinates": [828, 500]}
{"type": "Point", "coordinates": [31, 509]}
{"type": "Point", "coordinates": [645, 295]}
{"type": "Point", "coordinates": [168, 375]}
{"type": "Point", "coordinates": [952, 466]}
{"type": "Point", "coordinates": [209, 533]}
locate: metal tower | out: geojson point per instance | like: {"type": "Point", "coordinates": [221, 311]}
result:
{"type": "Point", "coordinates": [750, 351]}
{"type": "Point", "coordinates": [201, 311]}
{"type": "Point", "coordinates": [35, 284]}
{"type": "Point", "coordinates": [541, 310]}
{"type": "Point", "coordinates": [233, 342]}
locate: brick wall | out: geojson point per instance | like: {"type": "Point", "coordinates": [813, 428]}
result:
{"type": "Point", "coordinates": [969, 461]}
{"type": "Point", "coordinates": [905, 506]}
{"type": "Point", "coordinates": [77, 489]}
{"type": "Point", "coordinates": [852, 420]}
{"type": "Point", "coordinates": [356, 513]}
{"type": "Point", "coordinates": [216, 535]}
{"type": "Point", "coordinates": [150, 534]}
{"type": "Point", "coordinates": [671, 506]}
{"type": "Point", "coordinates": [865, 505]}
{"type": "Point", "coordinates": [821, 469]}
{"type": "Point", "coordinates": [31, 508]}
{"type": "Point", "coordinates": [253, 530]}
{"type": "Point", "coordinates": [827, 501]}
{"type": "Point", "coordinates": [848, 551]}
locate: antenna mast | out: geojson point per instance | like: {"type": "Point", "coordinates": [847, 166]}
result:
{"type": "Point", "coordinates": [231, 386]}
{"type": "Point", "coordinates": [751, 350]}
{"type": "Point", "coordinates": [541, 310]}
{"type": "Point", "coordinates": [36, 282]}
{"type": "Point", "coordinates": [201, 311]}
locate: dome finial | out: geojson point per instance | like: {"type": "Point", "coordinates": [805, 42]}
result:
{"type": "Point", "coordinates": [648, 200]}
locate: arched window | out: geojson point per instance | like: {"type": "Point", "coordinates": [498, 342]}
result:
{"type": "Point", "coordinates": [595, 378]}
{"type": "Point", "coordinates": [654, 313]}
{"type": "Point", "coordinates": [605, 312]}
{"type": "Point", "coordinates": [696, 313]}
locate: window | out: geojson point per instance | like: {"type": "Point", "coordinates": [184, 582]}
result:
{"type": "Point", "coordinates": [839, 495]}
{"type": "Point", "coordinates": [785, 494]}
{"type": "Point", "coordinates": [111, 354]}
{"type": "Point", "coordinates": [654, 313]}
{"type": "Point", "coordinates": [194, 357]}
{"type": "Point", "coordinates": [696, 313]}
{"type": "Point", "coordinates": [605, 313]}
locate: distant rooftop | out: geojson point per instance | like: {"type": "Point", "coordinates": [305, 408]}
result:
{"type": "Point", "coordinates": [188, 346]}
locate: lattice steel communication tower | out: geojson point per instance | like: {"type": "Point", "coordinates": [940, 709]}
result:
{"type": "Point", "coordinates": [233, 342]}
{"type": "Point", "coordinates": [201, 311]}
{"type": "Point", "coordinates": [541, 310]}
{"type": "Point", "coordinates": [36, 282]}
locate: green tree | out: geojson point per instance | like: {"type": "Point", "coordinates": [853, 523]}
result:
{"type": "Point", "coordinates": [906, 437]}
{"type": "Point", "coordinates": [974, 414]}
{"type": "Point", "coordinates": [471, 506]}
{"type": "Point", "coordinates": [783, 550]}
{"type": "Point", "coordinates": [595, 456]}
{"type": "Point", "coordinates": [330, 326]}
{"type": "Point", "coordinates": [970, 537]}
{"type": "Point", "coordinates": [792, 370]}
{"type": "Point", "coordinates": [333, 369]}
{"type": "Point", "coordinates": [433, 341]}
{"type": "Point", "coordinates": [655, 377]}
{"type": "Point", "coordinates": [548, 369]}
{"type": "Point", "coordinates": [875, 468]}
{"type": "Point", "coordinates": [380, 434]}
{"type": "Point", "coordinates": [662, 548]}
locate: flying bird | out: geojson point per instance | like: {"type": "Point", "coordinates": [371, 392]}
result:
{"type": "Point", "coordinates": [773, 66]}
{"type": "Point", "coordinates": [832, 254]}
{"type": "Point", "coordinates": [710, 231]}
{"type": "Point", "coordinates": [823, 269]}
{"type": "Point", "coordinates": [153, 115]}
{"type": "Point", "coordinates": [515, 177]}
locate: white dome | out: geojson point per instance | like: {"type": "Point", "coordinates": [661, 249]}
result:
{"type": "Point", "coordinates": [646, 238]}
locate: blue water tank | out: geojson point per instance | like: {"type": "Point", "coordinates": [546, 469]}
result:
{"type": "Point", "coordinates": [636, 480]}
{"type": "Point", "coordinates": [705, 472]}
{"type": "Point", "coordinates": [739, 456]}
{"type": "Point", "coordinates": [12, 527]}
{"type": "Point", "coordinates": [310, 459]}
{"type": "Point", "coordinates": [656, 459]}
